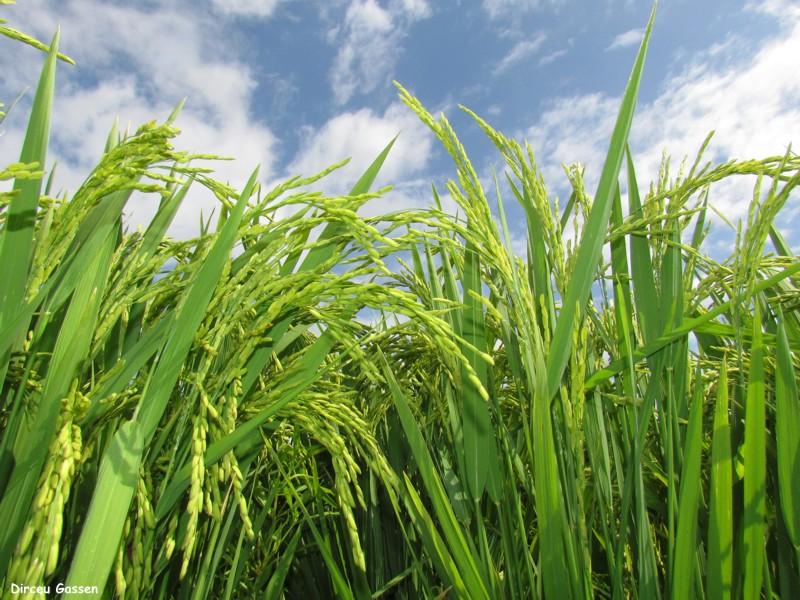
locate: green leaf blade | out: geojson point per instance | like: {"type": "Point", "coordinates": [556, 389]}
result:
{"type": "Point", "coordinates": [787, 416]}
{"type": "Point", "coordinates": [686, 537]}
{"type": "Point", "coordinates": [755, 451]}
{"type": "Point", "coordinates": [719, 572]}
{"type": "Point", "coordinates": [100, 537]}
{"type": "Point", "coordinates": [17, 236]}
{"type": "Point", "coordinates": [595, 229]}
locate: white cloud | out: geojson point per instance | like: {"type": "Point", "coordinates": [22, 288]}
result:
{"type": "Point", "coordinates": [628, 38]}
{"type": "Point", "coordinates": [370, 41]}
{"type": "Point", "coordinates": [361, 135]}
{"type": "Point", "coordinates": [783, 9]}
{"type": "Point", "coordinates": [552, 56]}
{"type": "Point", "coordinates": [521, 51]}
{"type": "Point", "coordinates": [753, 104]}
{"type": "Point", "coordinates": [246, 8]}
{"type": "Point", "coordinates": [573, 129]}
{"type": "Point", "coordinates": [136, 65]}
{"type": "Point", "coordinates": [503, 8]}
{"type": "Point", "coordinates": [369, 16]}
{"type": "Point", "coordinates": [411, 194]}
{"type": "Point", "coordinates": [416, 9]}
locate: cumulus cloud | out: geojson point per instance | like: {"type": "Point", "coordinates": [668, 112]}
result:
{"type": "Point", "coordinates": [411, 194]}
{"type": "Point", "coordinates": [361, 135]}
{"type": "Point", "coordinates": [370, 41]}
{"type": "Point", "coordinates": [752, 104]}
{"type": "Point", "coordinates": [572, 129]}
{"type": "Point", "coordinates": [137, 64]}
{"type": "Point", "coordinates": [521, 51]}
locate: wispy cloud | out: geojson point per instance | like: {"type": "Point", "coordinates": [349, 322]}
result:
{"type": "Point", "coordinates": [416, 9]}
{"type": "Point", "coordinates": [370, 41]}
{"type": "Point", "coordinates": [521, 51]}
{"type": "Point", "coordinates": [784, 9]}
{"type": "Point", "coordinates": [246, 8]}
{"type": "Point", "coordinates": [552, 56]}
{"type": "Point", "coordinates": [503, 8]}
{"type": "Point", "coordinates": [625, 39]}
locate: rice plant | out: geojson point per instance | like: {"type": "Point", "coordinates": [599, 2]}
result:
{"type": "Point", "coordinates": [609, 417]}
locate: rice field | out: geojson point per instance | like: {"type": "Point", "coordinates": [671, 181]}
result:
{"type": "Point", "coordinates": [612, 414]}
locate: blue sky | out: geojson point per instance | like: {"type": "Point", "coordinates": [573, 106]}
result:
{"type": "Point", "coordinates": [295, 85]}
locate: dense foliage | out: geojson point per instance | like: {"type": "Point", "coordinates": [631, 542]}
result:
{"type": "Point", "coordinates": [213, 418]}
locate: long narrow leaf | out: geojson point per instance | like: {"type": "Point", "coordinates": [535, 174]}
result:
{"type": "Point", "coordinates": [594, 231]}
{"type": "Point", "coordinates": [16, 238]}
{"type": "Point", "coordinates": [787, 416]}
{"type": "Point", "coordinates": [755, 450]}
{"type": "Point", "coordinates": [686, 538]}
{"type": "Point", "coordinates": [719, 574]}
